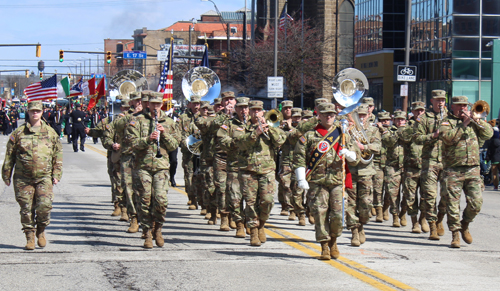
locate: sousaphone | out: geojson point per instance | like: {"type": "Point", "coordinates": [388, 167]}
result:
{"type": "Point", "coordinates": [201, 82]}
{"type": "Point", "coordinates": [128, 81]}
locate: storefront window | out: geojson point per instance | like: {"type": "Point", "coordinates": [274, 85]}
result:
{"type": "Point", "coordinates": [465, 69]}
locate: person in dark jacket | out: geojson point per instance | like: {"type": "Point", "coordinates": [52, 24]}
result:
{"type": "Point", "coordinates": [494, 156]}
{"type": "Point", "coordinates": [78, 118]}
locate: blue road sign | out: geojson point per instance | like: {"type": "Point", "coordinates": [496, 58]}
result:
{"type": "Point", "coordinates": [98, 76]}
{"type": "Point", "coordinates": [134, 55]}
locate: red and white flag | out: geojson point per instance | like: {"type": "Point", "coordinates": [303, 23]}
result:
{"type": "Point", "coordinates": [44, 90]}
{"type": "Point", "coordinates": [167, 75]}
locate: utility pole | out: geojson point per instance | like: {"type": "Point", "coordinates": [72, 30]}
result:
{"type": "Point", "coordinates": [407, 49]}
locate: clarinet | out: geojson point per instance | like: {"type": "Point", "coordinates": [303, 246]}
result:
{"type": "Point", "coordinates": [158, 152]}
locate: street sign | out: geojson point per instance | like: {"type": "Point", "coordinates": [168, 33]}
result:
{"type": "Point", "coordinates": [404, 90]}
{"type": "Point", "coordinates": [162, 55]}
{"type": "Point", "coordinates": [275, 87]}
{"type": "Point", "coordinates": [134, 55]}
{"type": "Point", "coordinates": [98, 76]}
{"type": "Point", "coordinates": [407, 73]}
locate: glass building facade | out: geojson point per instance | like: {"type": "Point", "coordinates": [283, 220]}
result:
{"type": "Point", "coordinates": [448, 43]}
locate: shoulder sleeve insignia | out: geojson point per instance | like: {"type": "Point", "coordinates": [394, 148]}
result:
{"type": "Point", "coordinates": [240, 129]}
{"type": "Point", "coordinates": [302, 139]}
{"type": "Point", "coordinates": [224, 127]}
{"type": "Point", "coordinates": [132, 123]}
{"type": "Point", "coordinates": [12, 137]}
{"type": "Point", "coordinates": [445, 123]}
{"type": "Point", "coordinates": [186, 128]}
{"type": "Point", "coordinates": [418, 119]}
{"type": "Point", "coordinates": [107, 126]}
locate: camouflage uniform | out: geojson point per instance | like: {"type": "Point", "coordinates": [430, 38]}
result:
{"type": "Point", "coordinates": [379, 160]}
{"type": "Point", "coordinates": [461, 166]}
{"type": "Point", "coordinates": [185, 129]}
{"type": "Point", "coordinates": [391, 140]}
{"type": "Point", "coordinates": [152, 172]}
{"type": "Point", "coordinates": [360, 199]}
{"type": "Point", "coordinates": [35, 155]}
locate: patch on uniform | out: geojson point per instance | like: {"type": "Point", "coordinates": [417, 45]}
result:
{"type": "Point", "coordinates": [240, 129]}
{"type": "Point", "coordinates": [418, 119]}
{"type": "Point", "coordinates": [323, 146]}
{"type": "Point", "coordinates": [132, 123]}
{"type": "Point", "coordinates": [12, 137]}
{"type": "Point", "coordinates": [224, 127]}
{"type": "Point", "coordinates": [186, 128]}
{"type": "Point", "coordinates": [107, 126]}
{"type": "Point", "coordinates": [445, 123]}
{"type": "Point", "coordinates": [302, 139]}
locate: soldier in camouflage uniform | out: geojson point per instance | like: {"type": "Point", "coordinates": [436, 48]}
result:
{"type": "Point", "coordinates": [152, 171]}
{"type": "Point", "coordinates": [257, 170]}
{"type": "Point", "coordinates": [320, 151]}
{"type": "Point", "coordinates": [379, 160]}
{"type": "Point", "coordinates": [427, 133]}
{"type": "Point", "coordinates": [360, 199]}
{"type": "Point", "coordinates": [114, 164]}
{"type": "Point", "coordinates": [391, 140]}
{"type": "Point", "coordinates": [226, 135]}
{"type": "Point", "coordinates": [371, 106]}
{"type": "Point", "coordinates": [285, 171]}
{"type": "Point", "coordinates": [185, 120]}
{"type": "Point", "coordinates": [34, 153]}
{"type": "Point", "coordinates": [412, 169]}
{"type": "Point", "coordinates": [461, 142]}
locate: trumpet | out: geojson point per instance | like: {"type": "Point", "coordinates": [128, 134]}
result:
{"type": "Point", "coordinates": [158, 151]}
{"type": "Point", "coordinates": [479, 110]}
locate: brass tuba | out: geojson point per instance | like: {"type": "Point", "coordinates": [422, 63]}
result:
{"type": "Point", "coordinates": [194, 145]}
{"type": "Point", "coordinates": [349, 86]}
{"type": "Point", "coordinates": [201, 82]}
{"type": "Point", "coordinates": [273, 118]}
{"type": "Point", "coordinates": [128, 81]}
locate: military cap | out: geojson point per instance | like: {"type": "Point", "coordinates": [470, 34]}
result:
{"type": "Point", "coordinates": [296, 112]}
{"type": "Point", "coordinates": [242, 101]}
{"type": "Point", "coordinates": [195, 99]}
{"type": "Point", "coordinates": [217, 101]}
{"type": "Point", "coordinates": [399, 114]}
{"type": "Point", "coordinates": [383, 115]}
{"type": "Point", "coordinates": [255, 104]}
{"type": "Point", "coordinates": [460, 100]}
{"type": "Point", "coordinates": [135, 95]}
{"type": "Point", "coordinates": [210, 109]}
{"type": "Point", "coordinates": [368, 101]}
{"type": "Point", "coordinates": [77, 104]}
{"type": "Point", "coordinates": [286, 103]}
{"type": "Point", "coordinates": [125, 103]}
{"type": "Point", "coordinates": [35, 105]}
{"type": "Point", "coordinates": [145, 95]}
{"type": "Point", "coordinates": [307, 114]}
{"type": "Point", "coordinates": [363, 109]}
{"type": "Point", "coordinates": [326, 108]}
{"type": "Point", "coordinates": [227, 94]}
{"type": "Point", "coordinates": [204, 104]}
{"type": "Point", "coordinates": [155, 97]}
{"type": "Point", "coordinates": [418, 105]}
{"type": "Point", "coordinates": [438, 94]}
{"type": "Point", "coordinates": [319, 101]}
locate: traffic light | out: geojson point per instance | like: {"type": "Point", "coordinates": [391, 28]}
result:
{"type": "Point", "coordinates": [69, 76]}
{"type": "Point", "coordinates": [27, 73]}
{"type": "Point", "coordinates": [108, 57]}
{"type": "Point", "coordinates": [225, 57]}
{"type": "Point", "coordinates": [38, 50]}
{"type": "Point", "coordinates": [15, 85]}
{"type": "Point", "coordinates": [61, 56]}
{"type": "Point", "coordinates": [41, 75]}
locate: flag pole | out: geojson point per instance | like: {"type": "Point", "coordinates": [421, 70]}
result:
{"type": "Point", "coordinates": [302, 74]}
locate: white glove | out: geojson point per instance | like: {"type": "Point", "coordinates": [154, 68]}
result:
{"type": "Point", "coordinates": [349, 155]}
{"type": "Point", "coordinates": [301, 178]}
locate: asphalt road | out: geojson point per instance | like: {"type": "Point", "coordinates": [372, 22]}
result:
{"type": "Point", "coordinates": [89, 250]}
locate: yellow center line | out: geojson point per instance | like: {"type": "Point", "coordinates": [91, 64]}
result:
{"type": "Point", "coordinates": [350, 264]}
{"type": "Point", "coordinates": [97, 150]}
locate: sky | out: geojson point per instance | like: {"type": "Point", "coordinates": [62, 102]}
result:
{"type": "Point", "coordinates": [82, 25]}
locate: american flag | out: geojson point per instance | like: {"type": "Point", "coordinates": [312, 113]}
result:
{"type": "Point", "coordinates": [167, 75]}
{"type": "Point", "coordinates": [284, 17]}
{"type": "Point", "coordinates": [44, 90]}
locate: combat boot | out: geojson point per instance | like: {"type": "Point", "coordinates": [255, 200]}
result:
{"type": "Point", "coordinates": [213, 217]}
{"type": "Point", "coordinates": [208, 215]}
{"type": "Point", "coordinates": [402, 216]}
{"type": "Point", "coordinates": [30, 239]}
{"type": "Point", "coordinates": [193, 205]}
{"type": "Point", "coordinates": [158, 236]}
{"type": "Point", "coordinates": [124, 215]}
{"type": "Point", "coordinates": [144, 233]}
{"type": "Point", "coordinates": [284, 212]}
{"type": "Point", "coordinates": [134, 226]}
{"type": "Point", "coordinates": [302, 219]}
{"type": "Point", "coordinates": [374, 212]}
{"type": "Point", "coordinates": [117, 210]}
{"type": "Point", "coordinates": [466, 236]}
{"type": "Point", "coordinates": [232, 224]}
{"type": "Point", "coordinates": [240, 230]}
{"type": "Point", "coordinates": [148, 243]}
{"type": "Point", "coordinates": [311, 219]}
{"type": "Point", "coordinates": [203, 211]}
{"type": "Point", "coordinates": [254, 237]}
{"type": "Point", "coordinates": [415, 225]}
{"type": "Point", "coordinates": [385, 211]}
{"type": "Point", "coordinates": [334, 250]}
{"type": "Point", "coordinates": [292, 215]}
{"type": "Point", "coordinates": [433, 231]}
{"type": "Point", "coordinates": [455, 243]}
{"type": "Point", "coordinates": [262, 232]}
{"type": "Point", "coordinates": [189, 202]}
{"type": "Point", "coordinates": [355, 238]}
{"type": "Point", "coordinates": [439, 223]}
{"type": "Point", "coordinates": [325, 251]}
{"type": "Point", "coordinates": [40, 235]}
{"type": "Point", "coordinates": [361, 234]}
{"type": "Point", "coordinates": [395, 220]}
{"type": "Point", "coordinates": [224, 222]}
{"type": "Point", "coordinates": [153, 225]}
{"type": "Point", "coordinates": [380, 215]}
{"type": "Point", "coordinates": [423, 222]}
